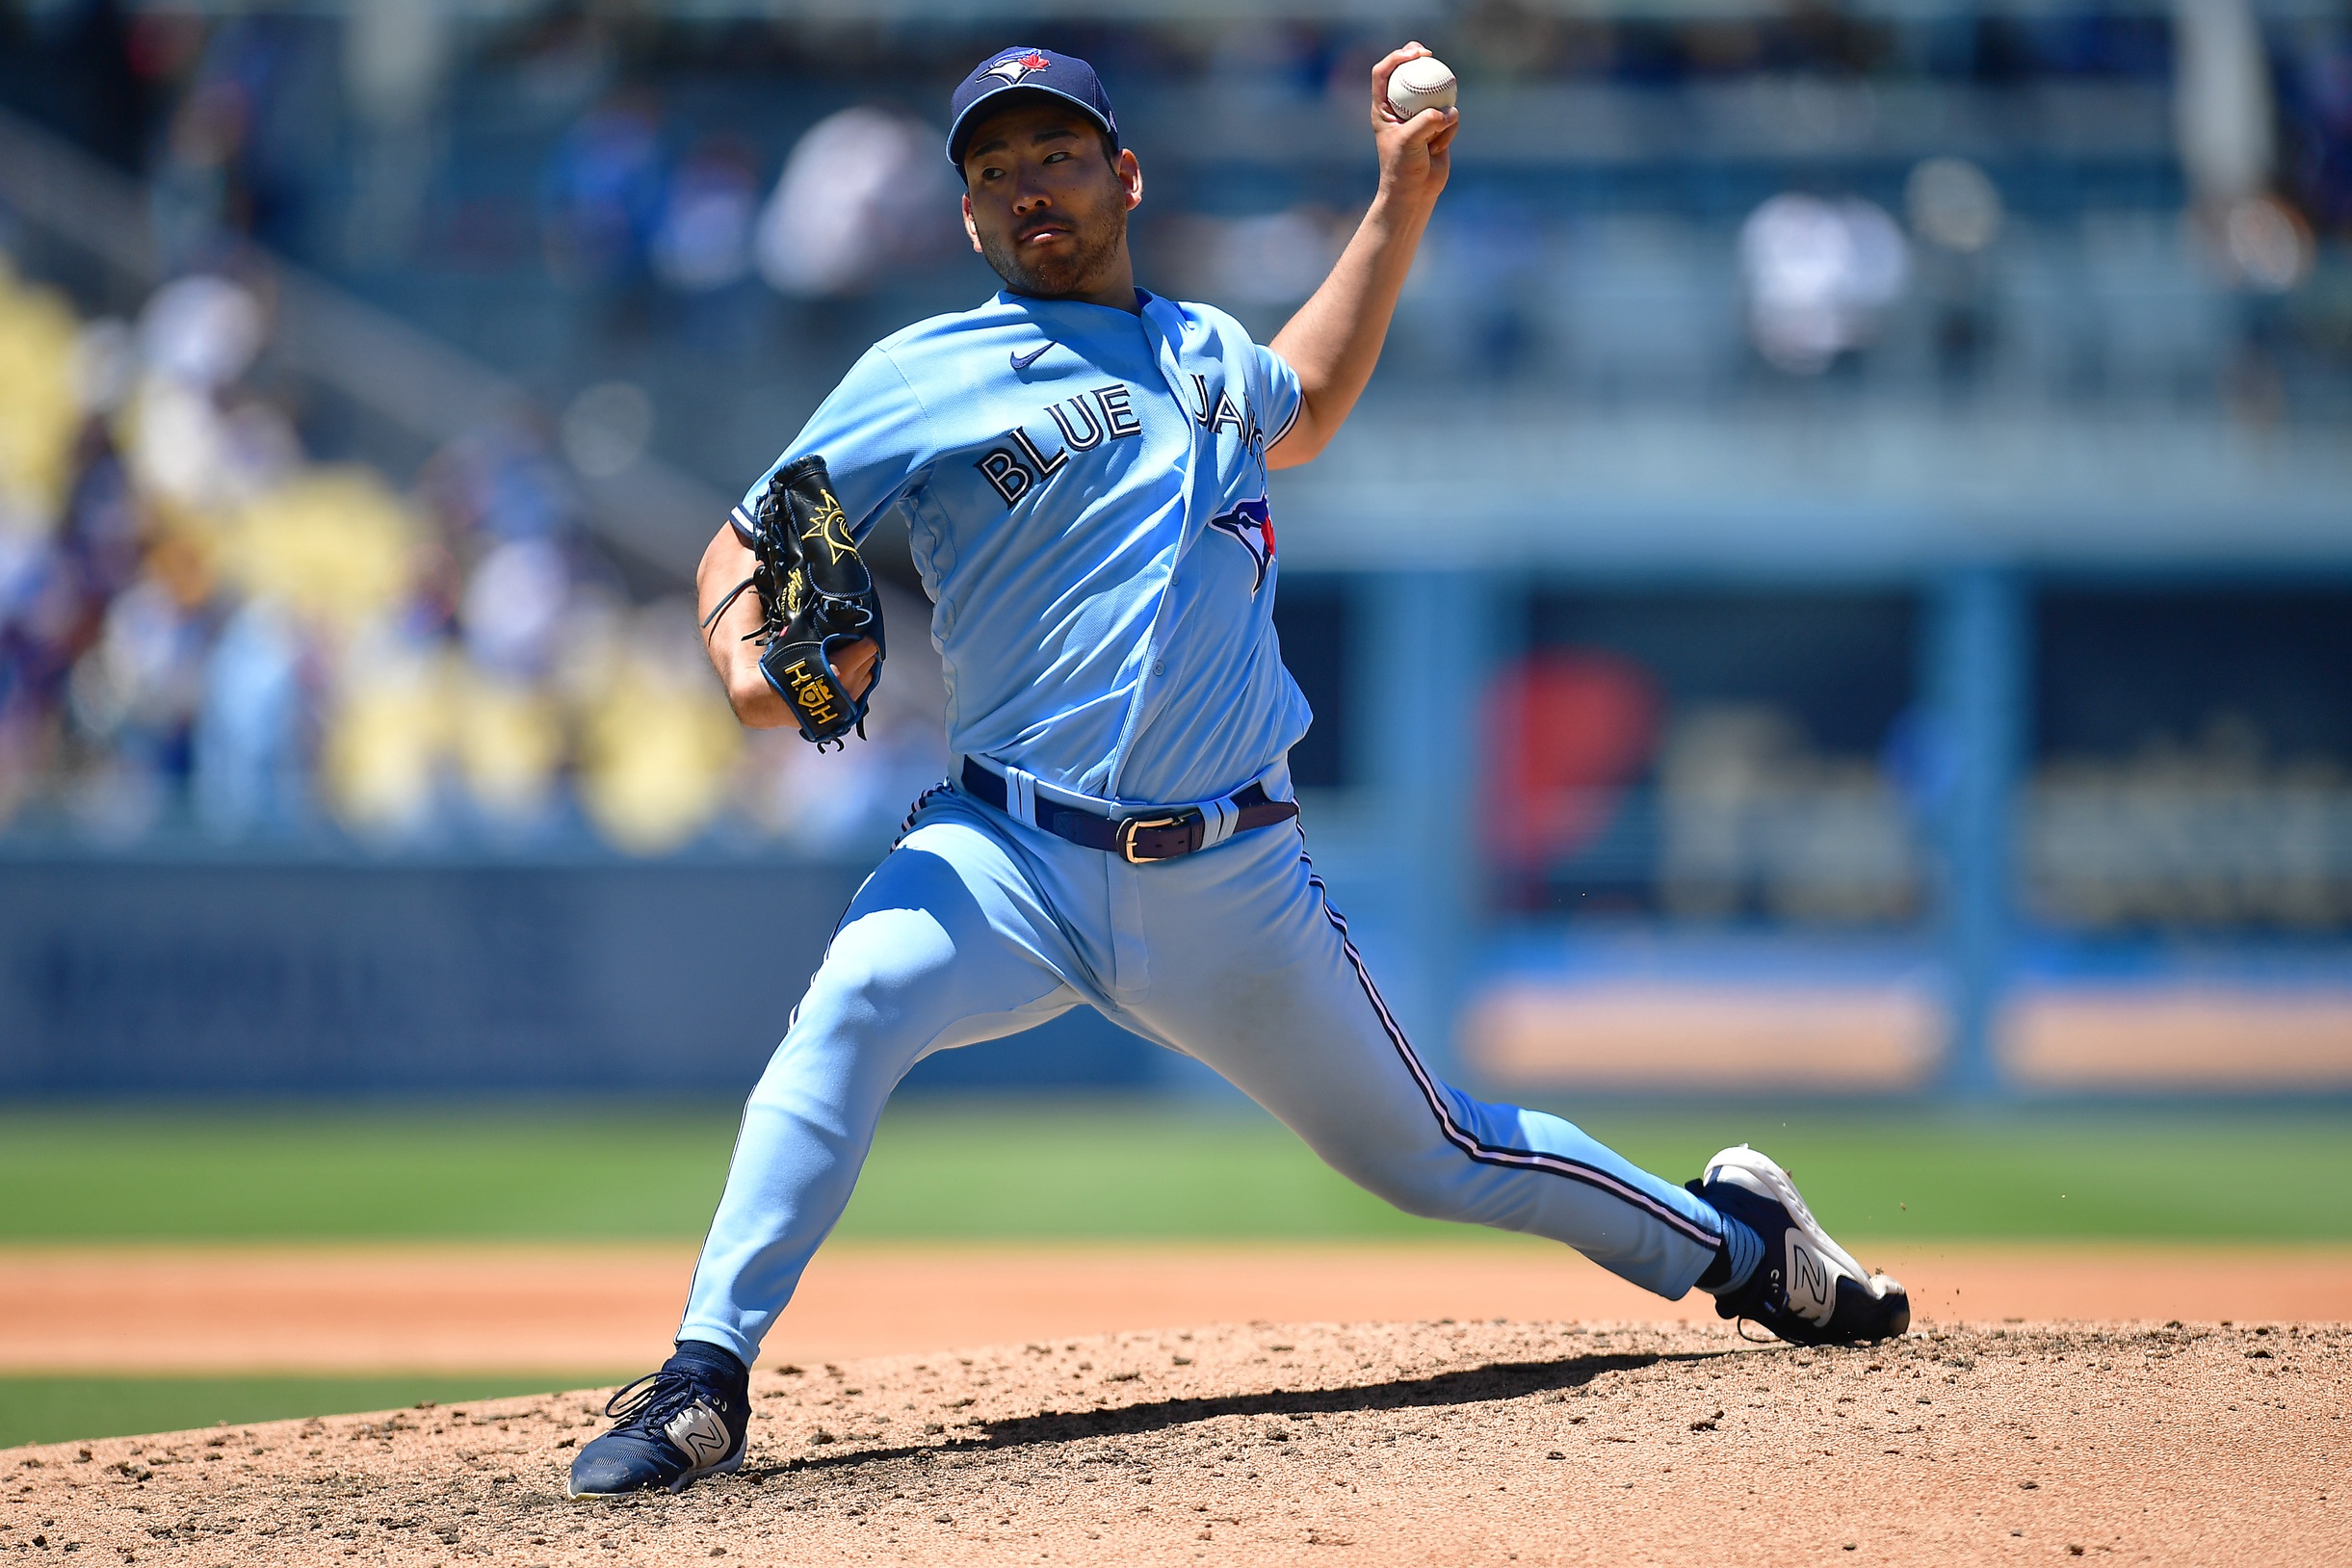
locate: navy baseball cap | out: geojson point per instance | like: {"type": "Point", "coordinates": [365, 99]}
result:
{"type": "Point", "coordinates": [1024, 70]}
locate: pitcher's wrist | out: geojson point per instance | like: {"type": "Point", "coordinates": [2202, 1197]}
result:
{"type": "Point", "coordinates": [1395, 216]}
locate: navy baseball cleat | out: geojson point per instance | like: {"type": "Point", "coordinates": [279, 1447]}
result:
{"type": "Point", "coordinates": [1806, 1289]}
{"type": "Point", "coordinates": [672, 1427]}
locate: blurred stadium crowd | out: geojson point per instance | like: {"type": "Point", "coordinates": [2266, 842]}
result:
{"type": "Point", "coordinates": [2059, 202]}
{"type": "Point", "coordinates": [675, 226]}
{"type": "Point", "coordinates": [1815, 167]}
{"type": "Point", "coordinates": [203, 629]}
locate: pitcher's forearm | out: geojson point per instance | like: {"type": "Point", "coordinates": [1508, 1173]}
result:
{"type": "Point", "coordinates": [727, 639]}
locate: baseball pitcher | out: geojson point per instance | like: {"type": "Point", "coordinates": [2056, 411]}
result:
{"type": "Point", "coordinates": [1082, 468]}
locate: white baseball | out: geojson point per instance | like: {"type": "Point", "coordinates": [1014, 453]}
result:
{"type": "Point", "coordinates": [1427, 83]}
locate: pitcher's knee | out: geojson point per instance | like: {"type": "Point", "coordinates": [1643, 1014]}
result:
{"type": "Point", "coordinates": [870, 1009]}
{"type": "Point", "coordinates": [887, 949]}
{"type": "Point", "coordinates": [881, 971]}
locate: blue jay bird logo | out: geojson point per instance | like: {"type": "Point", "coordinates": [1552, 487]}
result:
{"type": "Point", "coordinates": [1012, 70]}
{"type": "Point", "coordinates": [1251, 525]}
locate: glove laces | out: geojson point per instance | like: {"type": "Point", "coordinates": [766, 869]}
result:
{"type": "Point", "coordinates": [712, 620]}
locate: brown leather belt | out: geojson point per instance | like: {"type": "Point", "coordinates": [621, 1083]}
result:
{"type": "Point", "coordinates": [1142, 837]}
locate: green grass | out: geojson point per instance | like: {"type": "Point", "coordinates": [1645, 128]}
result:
{"type": "Point", "coordinates": [1878, 1176]}
{"type": "Point", "coordinates": [358, 1175]}
{"type": "Point", "coordinates": [62, 1410]}
{"type": "Point", "coordinates": [1075, 1171]}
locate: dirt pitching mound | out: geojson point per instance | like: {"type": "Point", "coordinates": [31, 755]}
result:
{"type": "Point", "coordinates": [1443, 1443]}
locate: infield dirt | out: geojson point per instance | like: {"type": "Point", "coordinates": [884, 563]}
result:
{"type": "Point", "coordinates": [1440, 1443]}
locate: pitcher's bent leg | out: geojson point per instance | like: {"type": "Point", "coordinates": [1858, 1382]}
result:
{"type": "Point", "coordinates": [935, 951]}
{"type": "Point", "coordinates": [1288, 1014]}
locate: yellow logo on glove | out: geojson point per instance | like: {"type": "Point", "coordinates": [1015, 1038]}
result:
{"type": "Point", "coordinates": [810, 692]}
{"type": "Point", "coordinates": [829, 527]}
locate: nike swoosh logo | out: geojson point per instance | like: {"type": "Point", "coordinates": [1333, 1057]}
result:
{"type": "Point", "coordinates": [1022, 361]}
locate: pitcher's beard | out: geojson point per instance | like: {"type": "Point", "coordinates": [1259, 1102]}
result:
{"type": "Point", "coordinates": [1052, 278]}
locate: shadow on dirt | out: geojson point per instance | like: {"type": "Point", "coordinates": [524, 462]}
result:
{"type": "Point", "coordinates": [1477, 1385]}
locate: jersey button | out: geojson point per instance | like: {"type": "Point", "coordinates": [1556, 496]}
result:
{"type": "Point", "coordinates": [1159, 667]}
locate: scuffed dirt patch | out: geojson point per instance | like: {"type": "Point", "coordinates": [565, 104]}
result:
{"type": "Point", "coordinates": [1448, 1443]}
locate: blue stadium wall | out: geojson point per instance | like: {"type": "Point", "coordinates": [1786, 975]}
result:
{"type": "Point", "coordinates": [146, 979]}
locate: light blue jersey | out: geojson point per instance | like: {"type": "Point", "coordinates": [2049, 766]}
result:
{"type": "Point", "coordinates": [1084, 493]}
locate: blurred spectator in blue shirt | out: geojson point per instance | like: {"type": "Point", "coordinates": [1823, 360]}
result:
{"type": "Point", "coordinates": [251, 751]}
{"type": "Point", "coordinates": [602, 195]}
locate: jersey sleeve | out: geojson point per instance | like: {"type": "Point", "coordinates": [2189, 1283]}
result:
{"type": "Point", "coordinates": [874, 436]}
{"type": "Point", "coordinates": [1281, 392]}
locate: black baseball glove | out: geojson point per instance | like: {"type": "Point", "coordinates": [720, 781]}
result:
{"type": "Point", "coordinates": [817, 598]}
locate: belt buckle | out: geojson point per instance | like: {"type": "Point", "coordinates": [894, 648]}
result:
{"type": "Point", "coordinates": [1130, 826]}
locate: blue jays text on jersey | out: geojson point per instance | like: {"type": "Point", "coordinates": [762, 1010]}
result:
{"type": "Point", "coordinates": [1085, 494]}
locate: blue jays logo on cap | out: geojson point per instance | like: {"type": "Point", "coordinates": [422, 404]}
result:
{"type": "Point", "coordinates": [1012, 67]}
{"type": "Point", "coordinates": [1025, 69]}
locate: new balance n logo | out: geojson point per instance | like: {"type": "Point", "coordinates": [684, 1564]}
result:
{"type": "Point", "coordinates": [699, 1434]}
{"type": "Point", "coordinates": [1812, 1283]}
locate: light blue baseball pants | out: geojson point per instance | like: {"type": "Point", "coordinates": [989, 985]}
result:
{"type": "Point", "coordinates": [979, 925]}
